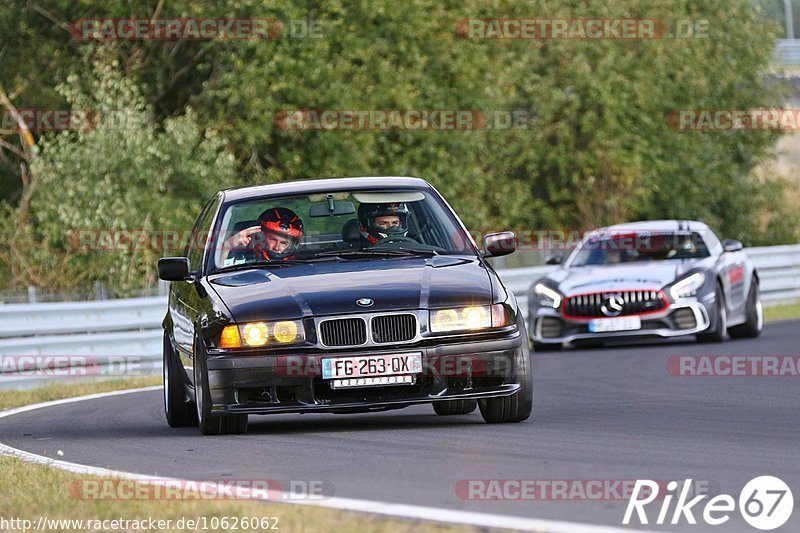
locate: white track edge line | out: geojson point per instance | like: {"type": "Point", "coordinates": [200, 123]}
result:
{"type": "Point", "coordinates": [415, 512]}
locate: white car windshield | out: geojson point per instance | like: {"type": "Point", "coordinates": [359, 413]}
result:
{"type": "Point", "coordinates": [636, 246]}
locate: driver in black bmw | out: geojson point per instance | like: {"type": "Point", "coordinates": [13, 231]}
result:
{"type": "Point", "coordinates": [378, 222]}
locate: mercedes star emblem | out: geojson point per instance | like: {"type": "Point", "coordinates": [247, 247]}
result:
{"type": "Point", "coordinates": [612, 305]}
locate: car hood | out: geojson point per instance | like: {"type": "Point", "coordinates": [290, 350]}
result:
{"type": "Point", "coordinates": [332, 287]}
{"type": "Point", "coordinates": [653, 275]}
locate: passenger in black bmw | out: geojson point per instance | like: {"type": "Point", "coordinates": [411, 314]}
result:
{"type": "Point", "coordinates": [276, 238]}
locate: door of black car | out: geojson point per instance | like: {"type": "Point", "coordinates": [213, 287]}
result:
{"type": "Point", "coordinates": [185, 302]}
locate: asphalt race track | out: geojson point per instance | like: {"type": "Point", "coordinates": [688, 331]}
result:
{"type": "Point", "coordinates": [614, 413]}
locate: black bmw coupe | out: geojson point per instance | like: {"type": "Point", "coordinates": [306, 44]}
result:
{"type": "Point", "coordinates": [341, 296]}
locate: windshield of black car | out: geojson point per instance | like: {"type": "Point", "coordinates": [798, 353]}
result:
{"type": "Point", "coordinates": [638, 246]}
{"type": "Point", "coordinates": [331, 227]}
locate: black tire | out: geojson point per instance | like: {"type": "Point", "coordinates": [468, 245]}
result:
{"type": "Point", "coordinates": [208, 422]}
{"type": "Point", "coordinates": [518, 406]}
{"type": "Point", "coordinates": [455, 407]}
{"type": "Point", "coordinates": [178, 409]}
{"type": "Point", "coordinates": [720, 331]}
{"type": "Point", "coordinates": [754, 312]}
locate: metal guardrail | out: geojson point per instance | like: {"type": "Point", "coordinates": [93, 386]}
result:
{"type": "Point", "coordinates": [22, 320]}
{"type": "Point", "coordinates": [104, 331]}
{"type": "Point", "coordinates": [787, 52]}
{"type": "Point", "coordinates": [113, 328]}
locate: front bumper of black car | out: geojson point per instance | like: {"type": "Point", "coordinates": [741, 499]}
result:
{"type": "Point", "coordinates": [548, 326]}
{"type": "Point", "coordinates": [292, 383]}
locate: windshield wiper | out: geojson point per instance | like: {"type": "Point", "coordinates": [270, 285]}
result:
{"type": "Point", "coordinates": [260, 264]}
{"type": "Point", "coordinates": [402, 250]}
{"type": "Point", "coordinates": [371, 252]}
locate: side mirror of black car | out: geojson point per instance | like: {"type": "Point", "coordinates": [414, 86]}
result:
{"type": "Point", "coordinates": [173, 268]}
{"type": "Point", "coordinates": [497, 244]}
{"type": "Point", "coordinates": [730, 245]}
{"type": "Point", "coordinates": [554, 259]}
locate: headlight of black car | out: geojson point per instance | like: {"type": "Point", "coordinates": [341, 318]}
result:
{"type": "Point", "coordinates": [474, 318]}
{"type": "Point", "coordinates": [259, 334]}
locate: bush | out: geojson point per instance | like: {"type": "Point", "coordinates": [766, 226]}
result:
{"type": "Point", "coordinates": [126, 173]}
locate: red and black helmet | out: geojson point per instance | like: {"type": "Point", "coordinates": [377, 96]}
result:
{"type": "Point", "coordinates": [367, 213]}
{"type": "Point", "coordinates": [285, 223]}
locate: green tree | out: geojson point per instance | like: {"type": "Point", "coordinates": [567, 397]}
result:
{"type": "Point", "coordinates": [126, 173]}
{"type": "Point", "coordinates": [597, 150]}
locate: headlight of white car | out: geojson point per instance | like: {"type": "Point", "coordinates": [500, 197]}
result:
{"type": "Point", "coordinates": [546, 296]}
{"type": "Point", "coordinates": [688, 286]}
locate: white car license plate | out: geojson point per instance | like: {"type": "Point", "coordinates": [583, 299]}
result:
{"type": "Point", "coordinates": [364, 366]}
{"type": "Point", "coordinates": [623, 323]}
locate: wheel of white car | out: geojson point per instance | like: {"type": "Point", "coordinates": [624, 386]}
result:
{"type": "Point", "coordinates": [754, 313]}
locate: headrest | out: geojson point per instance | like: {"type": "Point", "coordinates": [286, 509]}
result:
{"type": "Point", "coordinates": [350, 232]}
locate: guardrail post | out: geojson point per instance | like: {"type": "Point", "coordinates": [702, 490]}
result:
{"type": "Point", "coordinates": [32, 296]}
{"type": "Point", "coordinates": [100, 291]}
{"type": "Point", "coordinates": [787, 13]}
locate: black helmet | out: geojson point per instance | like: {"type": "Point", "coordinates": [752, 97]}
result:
{"type": "Point", "coordinates": [367, 213]}
{"type": "Point", "coordinates": [283, 222]}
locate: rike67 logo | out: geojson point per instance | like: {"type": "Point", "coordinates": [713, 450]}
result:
{"type": "Point", "coordinates": [765, 503]}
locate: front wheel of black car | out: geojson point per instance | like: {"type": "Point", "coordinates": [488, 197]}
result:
{"type": "Point", "coordinates": [754, 314]}
{"type": "Point", "coordinates": [178, 410]}
{"type": "Point", "coordinates": [455, 407]}
{"type": "Point", "coordinates": [720, 330]}
{"type": "Point", "coordinates": [211, 423]}
{"type": "Point", "coordinates": [514, 408]}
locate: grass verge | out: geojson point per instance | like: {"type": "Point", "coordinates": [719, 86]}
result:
{"type": "Point", "coordinates": [782, 312]}
{"type": "Point", "coordinates": [32, 491]}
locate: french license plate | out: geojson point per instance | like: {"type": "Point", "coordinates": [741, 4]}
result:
{"type": "Point", "coordinates": [623, 323]}
{"type": "Point", "coordinates": [364, 366]}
